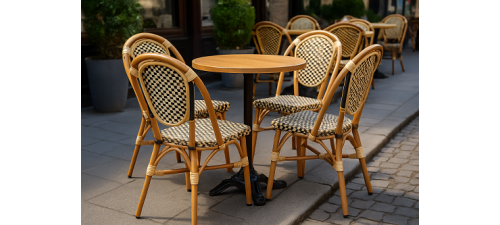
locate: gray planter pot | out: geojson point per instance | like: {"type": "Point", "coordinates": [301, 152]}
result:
{"type": "Point", "coordinates": [108, 84]}
{"type": "Point", "coordinates": [234, 80]}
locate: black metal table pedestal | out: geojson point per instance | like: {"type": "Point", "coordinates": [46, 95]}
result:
{"type": "Point", "coordinates": [237, 180]}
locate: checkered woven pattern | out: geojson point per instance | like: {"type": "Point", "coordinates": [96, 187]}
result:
{"type": "Point", "coordinates": [201, 111]}
{"type": "Point", "coordinates": [317, 52]}
{"type": "Point", "coordinates": [394, 33]}
{"type": "Point", "coordinates": [204, 134]}
{"type": "Point", "coordinates": [302, 24]}
{"type": "Point", "coordinates": [390, 46]}
{"type": "Point", "coordinates": [270, 40]}
{"type": "Point", "coordinates": [287, 103]}
{"type": "Point", "coordinates": [149, 46]}
{"type": "Point", "coordinates": [167, 92]}
{"type": "Point", "coordinates": [359, 84]}
{"type": "Point", "coordinates": [348, 37]}
{"type": "Point", "coordinates": [303, 122]}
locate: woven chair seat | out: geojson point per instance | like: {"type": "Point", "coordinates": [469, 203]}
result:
{"type": "Point", "coordinates": [303, 122]}
{"type": "Point", "coordinates": [390, 46]}
{"type": "Point", "coordinates": [201, 111]}
{"type": "Point", "coordinates": [204, 134]}
{"type": "Point", "coordinates": [287, 103]}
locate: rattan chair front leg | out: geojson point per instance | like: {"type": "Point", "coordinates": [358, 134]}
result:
{"type": "Point", "coordinates": [194, 176]}
{"type": "Point", "coordinates": [147, 181]}
{"type": "Point", "coordinates": [272, 170]}
{"type": "Point", "coordinates": [338, 166]}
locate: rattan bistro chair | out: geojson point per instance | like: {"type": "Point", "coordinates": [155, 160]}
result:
{"type": "Point", "coordinates": [352, 37]}
{"type": "Point", "coordinates": [369, 36]}
{"type": "Point", "coordinates": [267, 37]}
{"type": "Point", "coordinates": [321, 50]}
{"type": "Point", "coordinates": [168, 88]}
{"type": "Point", "coordinates": [302, 22]}
{"type": "Point", "coordinates": [151, 43]}
{"type": "Point", "coordinates": [316, 127]}
{"type": "Point", "coordinates": [394, 37]}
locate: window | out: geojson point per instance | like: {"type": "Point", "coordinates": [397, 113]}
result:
{"type": "Point", "coordinates": [160, 13]}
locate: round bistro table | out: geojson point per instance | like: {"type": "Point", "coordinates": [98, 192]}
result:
{"type": "Point", "coordinates": [248, 64]}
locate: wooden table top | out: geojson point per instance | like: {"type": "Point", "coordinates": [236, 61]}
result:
{"type": "Point", "coordinates": [383, 25]}
{"type": "Point", "coordinates": [248, 63]}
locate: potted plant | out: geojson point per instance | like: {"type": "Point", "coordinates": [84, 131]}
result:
{"type": "Point", "coordinates": [109, 24]}
{"type": "Point", "coordinates": [233, 22]}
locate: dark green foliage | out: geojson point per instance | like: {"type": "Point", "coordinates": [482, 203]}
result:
{"type": "Point", "coordinates": [336, 10]}
{"type": "Point", "coordinates": [109, 23]}
{"type": "Point", "coordinates": [233, 23]}
{"type": "Point", "coordinates": [373, 17]}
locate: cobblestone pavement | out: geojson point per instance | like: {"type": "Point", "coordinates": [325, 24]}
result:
{"type": "Point", "coordinates": [394, 176]}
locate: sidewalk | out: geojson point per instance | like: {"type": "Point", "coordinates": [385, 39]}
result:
{"type": "Point", "coordinates": [110, 197]}
{"type": "Point", "coordinates": [395, 178]}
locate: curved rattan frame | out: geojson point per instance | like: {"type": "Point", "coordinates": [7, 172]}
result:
{"type": "Point", "coordinates": [368, 38]}
{"type": "Point", "coordinates": [128, 49]}
{"type": "Point", "coordinates": [337, 141]}
{"type": "Point", "coordinates": [295, 18]}
{"type": "Point", "coordinates": [261, 113]}
{"type": "Point", "coordinates": [192, 168]}
{"type": "Point", "coordinates": [401, 38]}
{"type": "Point", "coordinates": [360, 36]}
{"type": "Point", "coordinates": [257, 39]}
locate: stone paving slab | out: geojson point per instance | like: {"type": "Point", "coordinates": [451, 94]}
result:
{"type": "Point", "coordinates": [108, 141]}
{"type": "Point", "coordinates": [394, 203]}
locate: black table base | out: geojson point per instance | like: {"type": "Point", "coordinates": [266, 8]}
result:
{"type": "Point", "coordinates": [238, 180]}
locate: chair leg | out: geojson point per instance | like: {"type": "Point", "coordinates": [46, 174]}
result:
{"type": "Point", "coordinates": [413, 43]}
{"type": "Point", "coordinates": [366, 176]}
{"type": "Point", "coordinates": [178, 157]}
{"type": "Point", "coordinates": [246, 173]}
{"type": "Point", "coordinates": [293, 142]}
{"type": "Point", "coordinates": [194, 187]}
{"type": "Point", "coordinates": [340, 173]}
{"type": "Point", "coordinates": [132, 162]}
{"type": "Point", "coordinates": [228, 160]}
{"type": "Point", "coordinates": [270, 88]}
{"type": "Point", "coordinates": [273, 166]}
{"type": "Point", "coordinates": [373, 84]}
{"type": "Point", "coordinates": [136, 150]}
{"type": "Point", "coordinates": [146, 182]}
{"type": "Point", "coordinates": [393, 58]}
{"type": "Point", "coordinates": [401, 61]}
{"type": "Point", "coordinates": [301, 152]}
{"type": "Point", "coordinates": [254, 133]}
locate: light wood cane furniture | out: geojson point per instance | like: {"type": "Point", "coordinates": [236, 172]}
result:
{"type": "Point", "coordinates": [302, 22]}
{"type": "Point", "coordinates": [394, 37]}
{"type": "Point", "coordinates": [167, 86]}
{"type": "Point", "coordinates": [369, 36]}
{"type": "Point", "coordinates": [413, 31]}
{"type": "Point", "coordinates": [317, 127]}
{"type": "Point", "coordinates": [351, 36]}
{"type": "Point", "coordinates": [267, 37]}
{"type": "Point", "coordinates": [151, 43]}
{"type": "Point", "coordinates": [322, 51]}
{"type": "Point", "coordinates": [248, 65]}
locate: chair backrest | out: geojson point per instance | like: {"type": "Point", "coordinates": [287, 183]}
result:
{"type": "Point", "coordinates": [347, 17]}
{"type": "Point", "coordinates": [366, 26]}
{"type": "Point", "coordinates": [321, 50]}
{"type": "Point", "coordinates": [302, 22]}
{"type": "Point", "coordinates": [267, 37]}
{"type": "Point", "coordinates": [357, 76]}
{"type": "Point", "coordinates": [168, 87]}
{"type": "Point", "coordinates": [397, 33]}
{"type": "Point", "coordinates": [350, 35]}
{"type": "Point", "coordinates": [140, 44]}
